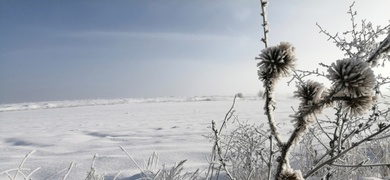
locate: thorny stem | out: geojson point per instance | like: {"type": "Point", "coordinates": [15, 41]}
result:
{"type": "Point", "coordinates": [269, 108]}
{"type": "Point", "coordinates": [271, 153]}
{"type": "Point", "coordinates": [265, 22]}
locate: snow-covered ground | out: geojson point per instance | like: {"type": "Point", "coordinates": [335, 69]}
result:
{"type": "Point", "coordinates": [66, 131]}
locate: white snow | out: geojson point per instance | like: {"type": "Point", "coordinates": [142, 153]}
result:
{"type": "Point", "coordinates": [63, 132]}
{"type": "Point", "coordinates": [66, 131]}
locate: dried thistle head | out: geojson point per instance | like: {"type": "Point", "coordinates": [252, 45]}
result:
{"type": "Point", "coordinates": [276, 61]}
{"type": "Point", "coordinates": [352, 77]}
{"type": "Point", "coordinates": [358, 106]}
{"type": "Point", "coordinates": [310, 92]}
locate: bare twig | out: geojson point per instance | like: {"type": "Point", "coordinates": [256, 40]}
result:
{"type": "Point", "coordinates": [322, 129]}
{"type": "Point", "coordinates": [128, 155]}
{"type": "Point", "coordinates": [319, 140]}
{"type": "Point", "coordinates": [69, 169]}
{"type": "Point", "coordinates": [228, 115]}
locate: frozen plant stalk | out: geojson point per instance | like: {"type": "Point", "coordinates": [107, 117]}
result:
{"type": "Point", "coordinates": [275, 62]}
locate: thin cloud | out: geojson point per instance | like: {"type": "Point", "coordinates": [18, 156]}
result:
{"type": "Point", "coordinates": [154, 35]}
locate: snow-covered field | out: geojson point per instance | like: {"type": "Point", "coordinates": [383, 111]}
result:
{"type": "Point", "coordinates": [66, 131]}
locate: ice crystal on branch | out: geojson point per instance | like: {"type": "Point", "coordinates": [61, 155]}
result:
{"type": "Point", "coordinates": [352, 77]}
{"type": "Point", "coordinates": [276, 62]}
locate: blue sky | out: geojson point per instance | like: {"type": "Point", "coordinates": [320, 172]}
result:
{"type": "Point", "coordinates": [63, 50]}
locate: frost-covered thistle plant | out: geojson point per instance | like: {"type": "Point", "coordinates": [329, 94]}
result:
{"type": "Point", "coordinates": [331, 144]}
{"type": "Point", "coordinates": [276, 62]}
{"type": "Point", "coordinates": [353, 89]}
{"type": "Point", "coordinates": [353, 83]}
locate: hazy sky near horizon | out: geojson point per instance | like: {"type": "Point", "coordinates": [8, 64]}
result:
{"type": "Point", "coordinates": [64, 50]}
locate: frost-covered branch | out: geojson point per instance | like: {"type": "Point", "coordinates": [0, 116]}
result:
{"type": "Point", "coordinates": [218, 150]}
{"type": "Point", "coordinates": [383, 47]}
{"type": "Point", "coordinates": [354, 145]}
{"type": "Point", "coordinates": [229, 114]}
{"type": "Point", "coordinates": [363, 44]}
{"type": "Point", "coordinates": [337, 40]}
{"type": "Point", "coordinates": [360, 165]}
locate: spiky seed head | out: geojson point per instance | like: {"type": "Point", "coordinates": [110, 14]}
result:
{"type": "Point", "coordinates": [310, 92]}
{"type": "Point", "coordinates": [352, 77]}
{"type": "Point", "coordinates": [357, 106]}
{"type": "Point", "coordinates": [276, 62]}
